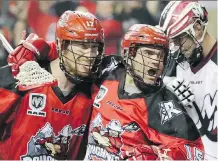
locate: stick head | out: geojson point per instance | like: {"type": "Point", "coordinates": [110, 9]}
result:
{"type": "Point", "coordinates": [31, 76]}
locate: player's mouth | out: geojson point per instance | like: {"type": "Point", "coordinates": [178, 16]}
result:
{"type": "Point", "coordinates": [152, 72]}
{"type": "Point", "coordinates": [85, 61]}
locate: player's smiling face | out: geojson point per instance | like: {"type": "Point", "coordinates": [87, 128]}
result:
{"type": "Point", "coordinates": [79, 58]}
{"type": "Point", "coordinates": [148, 63]}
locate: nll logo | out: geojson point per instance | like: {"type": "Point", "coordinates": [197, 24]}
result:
{"type": "Point", "coordinates": [37, 103]}
{"type": "Point", "coordinates": [102, 92]}
{"type": "Point", "coordinates": [168, 111]}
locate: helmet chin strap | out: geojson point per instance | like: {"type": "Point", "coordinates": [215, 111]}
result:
{"type": "Point", "coordinates": [197, 53]}
{"type": "Point", "coordinates": [148, 88]}
{"type": "Point", "coordinates": [196, 56]}
{"type": "Point", "coordinates": [141, 85]}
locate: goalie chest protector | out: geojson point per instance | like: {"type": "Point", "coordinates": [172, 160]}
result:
{"type": "Point", "coordinates": [48, 125]}
{"type": "Point", "coordinates": [120, 121]}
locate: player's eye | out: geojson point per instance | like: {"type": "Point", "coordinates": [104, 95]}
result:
{"type": "Point", "coordinates": [148, 53]}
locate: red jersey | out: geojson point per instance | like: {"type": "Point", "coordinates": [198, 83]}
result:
{"type": "Point", "coordinates": [46, 125]}
{"type": "Point", "coordinates": [120, 122]}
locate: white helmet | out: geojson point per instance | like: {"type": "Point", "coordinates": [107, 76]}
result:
{"type": "Point", "coordinates": [179, 17]}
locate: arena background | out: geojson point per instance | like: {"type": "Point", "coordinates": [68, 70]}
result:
{"type": "Point", "coordinates": [116, 17]}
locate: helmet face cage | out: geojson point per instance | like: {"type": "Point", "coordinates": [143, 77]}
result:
{"type": "Point", "coordinates": [140, 74]}
{"type": "Point", "coordinates": [179, 18]}
{"type": "Point", "coordinates": [92, 66]}
{"type": "Point", "coordinates": [77, 33]}
{"type": "Point", "coordinates": [177, 55]}
{"type": "Point", "coordinates": [175, 45]}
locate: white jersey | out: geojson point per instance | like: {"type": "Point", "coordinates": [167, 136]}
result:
{"type": "Point", "coordinates": [204, 84]}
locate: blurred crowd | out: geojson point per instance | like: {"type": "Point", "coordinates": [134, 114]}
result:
{"type": "Point", "coordinates": [40, 17]}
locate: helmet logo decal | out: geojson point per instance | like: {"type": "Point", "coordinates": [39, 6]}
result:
{"type": "Point", "coordinates": [63, 20]}
{"type": "Point", "coordinates": [89, 23]}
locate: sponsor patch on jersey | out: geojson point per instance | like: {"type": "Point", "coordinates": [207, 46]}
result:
{"type": "Point", "coordinates": [113, 105]}
{"type": "Point", "coordinates": [168, 111]}
{"type": "Point", "coordinates": [37, 102]}
{"type": "Point", "coordinates": [101, 94]}
{"type": "Point", "coordinates": [61, 111]}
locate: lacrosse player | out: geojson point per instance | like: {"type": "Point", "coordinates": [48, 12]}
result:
{"type": "Point", "coordinates": [195, 53]}
{"type": "Point", "coordinates": [127, 93]}
{"type": "Point", "coordinates": [135, 116]}
{"type": "Point", "coordinates": [44, 121]}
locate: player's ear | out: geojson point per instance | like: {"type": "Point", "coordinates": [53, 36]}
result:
{"type": "Point", "coordinates": [199, 29]}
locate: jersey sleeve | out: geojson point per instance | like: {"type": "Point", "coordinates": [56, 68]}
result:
{"type": "Point", "coordinates": [7, 81]}
{"type": "Point", "coordinates": [9, 98]}
{"type": "Point", "coordinates": [170, 129]}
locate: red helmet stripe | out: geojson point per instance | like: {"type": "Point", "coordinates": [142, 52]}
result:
{"type": "Point", "coordinates": [166, 15]}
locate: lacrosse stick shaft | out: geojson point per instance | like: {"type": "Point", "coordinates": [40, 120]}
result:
{"type": "Point", "coordinates": [6, 44]}
{"type": "Point", "coordinates": [4, 66]}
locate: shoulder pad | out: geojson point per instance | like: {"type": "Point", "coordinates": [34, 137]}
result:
{"type": "Point", "coordinates": [6, 78]}
{"type": "Point", "coordinates": [169, 117]}
{"type": "Point", "coordinates": [109, 63]}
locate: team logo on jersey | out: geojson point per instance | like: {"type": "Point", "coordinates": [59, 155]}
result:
{"type": "Point", "coordinates": [101, 94]}
{"type": "Point", "coordinates": [37, 102]}
{"type": "Point", "coordinates": [168, 111]}
{"type": "Point", "coordinates": [207, 116]}
{"type": "Point", "coordinates": [45, 145]}
{"type": "Point", "coordinates": [106, 142]}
